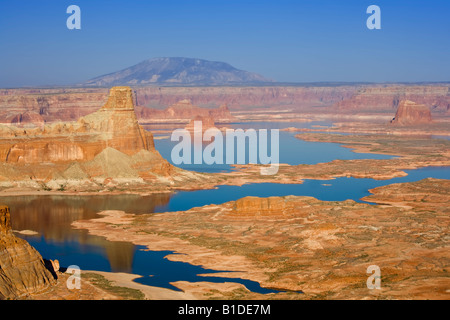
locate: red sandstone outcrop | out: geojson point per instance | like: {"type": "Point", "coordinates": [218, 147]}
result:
{"type": "Point", "coordinates": [27, 118]}
{"type": "Point", "coordinates": [411, 113]}
{"type": "Point", "coordinates": [106, 144]}
{"type": "Point", "coordinates": [50, 104]}
{"type": "Point", "coordinates": [22, 269]}
{"type": "Point", "coordinates": [114, 125]}
{"type": "Point", "coordinates": [266, 207]}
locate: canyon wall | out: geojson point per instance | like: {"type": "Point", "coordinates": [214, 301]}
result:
{"type": "Point", "coordinates": [48, 104]}
{"type": "Point", "coordinates": [243, 97]}
{"type": "Point", "coordinates": [184, 111]}
{"type": "Point", "coordinates": [22, 269]}
{"type": "Point", "coordinates": [36, 106]}
{"type": "Point", "coordinates": [114, 125]}
{"type": "Point", "coordinates": [387, 98]}
{"type": "Point", "coordinates": [106, 144]}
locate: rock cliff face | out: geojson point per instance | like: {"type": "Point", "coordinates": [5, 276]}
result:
{"type": "Point", "coordinates": [243, 97]}
{"type": "Point", "coordinates": [114, 125]}
{"type": "Point", "coordinates": [266, 207]}
{"type": "Point", "coordinates": [106, 144]}
{"type": "Point", "coordinates": [184, 111]}
{"type": "Point", "coordinates": [53, 105]}
{"type": "Point", "coordinates": [411, 113]}
{"type": "Point", "coordinates": [27, 118]}
{"type": "Point", "coordinates": [22, 269]}
{"type": "Point", "coordinates": [387, 98]}
{"type": "Point", "coordinates": [49, 105]}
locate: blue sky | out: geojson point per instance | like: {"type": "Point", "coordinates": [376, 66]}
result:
{"type": "Point", "coordinates": [288, 41]}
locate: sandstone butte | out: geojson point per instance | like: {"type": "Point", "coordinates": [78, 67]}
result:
{"type": "Point", "coordinates": [23, 272]}
{"type": "Point", "coordinates": [104, 147]}
{"type": "Point", "coordinates": [411, 113]}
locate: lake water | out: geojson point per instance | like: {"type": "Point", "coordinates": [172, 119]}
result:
{"type": "Point", "coordinates": [51, 216]}
{"type": "Point", "coordinates": [292, 151]}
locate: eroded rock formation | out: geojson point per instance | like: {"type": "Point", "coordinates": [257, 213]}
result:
{"type": "Point", "coordinates": [22, 269]}
{"type": "Point", "coordinates": [322, 248]}
{"type": "Point", "coordinates": [255, 206]}
{"type": "Point", "coordinates": [114, 125]}
{"type": "Point", "coordinates": [69, 104]}
{"type": "Point", "coordinates": [106, 144]}
{"type": "Point", "coordinates": [388, 98]}
{"type": "Point", "coordinates": [184, 111]}
{"type": "Point", "coordinates": [411, 113]}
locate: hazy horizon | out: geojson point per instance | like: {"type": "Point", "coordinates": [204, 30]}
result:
{"type": "Point", "coordinates": [287, 41]}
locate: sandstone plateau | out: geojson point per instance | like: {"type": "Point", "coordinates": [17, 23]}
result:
{"type": "Point", "coordinates": [101, 148]}
{"type": "Point", "coordinates": [184, 111]}
{"type": "Point", "coordinates": [23, 272]}
{"type": "Point", "coordinates": [387, 98]}
{"type": "Point", "coordinates": [410, 113]}
{"type": "Point", "coordinates": [69, 104]}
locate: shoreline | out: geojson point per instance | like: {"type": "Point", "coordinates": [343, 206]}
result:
{"type": "Point", "coordinates": [348, 222]}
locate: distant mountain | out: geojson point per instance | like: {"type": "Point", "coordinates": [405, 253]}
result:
{"type": "Point", "coordinates": [178, 71]}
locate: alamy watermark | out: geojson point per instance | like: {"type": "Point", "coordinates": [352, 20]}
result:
{"type": "Point", "coordinates": [74, 281]}
{"type": "Point", "coordinates": [374, 21]}
{"type": "Point", "coordinates": [230, 149]}
{"type": "Point", "coordinates": [374, 280]}
{"type": "Point", "coordinates": [74, 20]}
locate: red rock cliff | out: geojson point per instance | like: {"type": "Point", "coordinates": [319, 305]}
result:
{"type": "Point", "coordinates": [106, 145]}
{"type": "Point", "coordinates": [115, 125]}
{"type": "Point", "coordinates": [22, 269]}
{"type": "Point", "coordinates": [411, 113]}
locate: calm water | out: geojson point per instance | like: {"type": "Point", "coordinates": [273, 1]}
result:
{"type": "Point", "coordinates": [292, 151]}
{"type": "Point", "coordinates": [51, 216]}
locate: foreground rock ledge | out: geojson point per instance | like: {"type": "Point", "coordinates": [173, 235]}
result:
{"type": "Point", "coordinates": [22, 269]}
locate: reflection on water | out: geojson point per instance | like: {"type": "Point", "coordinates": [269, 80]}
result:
{"type": "Point", "coordinates": [51, 216]}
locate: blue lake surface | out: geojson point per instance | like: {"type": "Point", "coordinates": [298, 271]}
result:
{"type": "Point", "coordinates": [292, 151]}
{"type": "Point", "coordinates": [52, 216]}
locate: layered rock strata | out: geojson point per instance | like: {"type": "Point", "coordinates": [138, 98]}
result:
{"type": "Point", "coordinates": [388, 98]}
{"type": "Point", "coordinates": [108, 143]}
{"type": "Point", "coordinates": [22, 269]}
{"type": "Point", "coordinates": [183, 111]}
{"type": "Point", "coordinates": [411, 113]}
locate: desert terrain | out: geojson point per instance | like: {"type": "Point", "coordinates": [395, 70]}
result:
{"type": "Point", "coordinates": [85, 141]}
